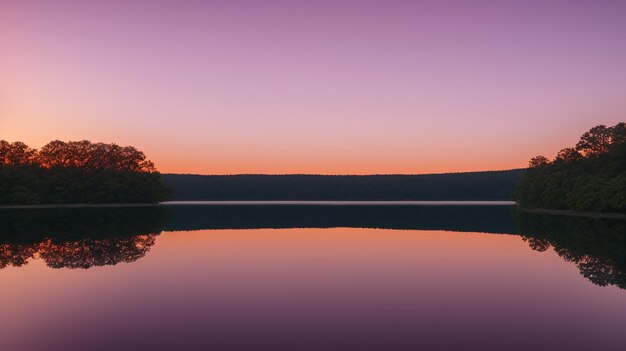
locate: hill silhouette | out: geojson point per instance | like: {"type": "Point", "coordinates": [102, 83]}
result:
{"type": "Point", "coordinates": [493, 185]}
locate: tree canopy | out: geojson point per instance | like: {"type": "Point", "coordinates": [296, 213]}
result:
{"type": "Point", "coordinates": [76, 154]}
{"type": "Point", "coordinates": [16, 153]}
{"type": "Point", "coordinates": [590, 176]}
{"type": "Point", "coordinates": [77, 172]}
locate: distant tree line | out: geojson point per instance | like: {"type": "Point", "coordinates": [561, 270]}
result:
{"type": "Point", "coordinates": [77, 172]}
{"type": "Point", "coordinates": [588, 177]}
{"type": "Point", "coordinates": [496, 185]}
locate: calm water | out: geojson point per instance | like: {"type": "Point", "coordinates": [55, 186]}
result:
{"type": "Point", "coordinates": [310, 278]}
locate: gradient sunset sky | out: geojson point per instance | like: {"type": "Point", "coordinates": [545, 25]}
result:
{"type": "Point", "coordinates": [330, 87]}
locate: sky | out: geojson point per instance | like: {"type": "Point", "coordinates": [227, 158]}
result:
{"type": "Point", "coordinates": [323, 87]}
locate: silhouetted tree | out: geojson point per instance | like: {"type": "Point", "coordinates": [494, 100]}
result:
{"type": "Point", "coordinates": [538, 161]}
{"type": "Point", "coordinates": [596, 141]}
{"type": "Point", "coordinates": [94, 156]}
{"type": "Point", "coordinates": [16, 153]}
{"type": "Point", "coordinates": [618, 134]}
{"type": "Point", "coordinates": [567, 155]}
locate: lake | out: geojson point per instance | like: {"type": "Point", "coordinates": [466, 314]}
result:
{"type": "Point", "coordinates": [310, 277]}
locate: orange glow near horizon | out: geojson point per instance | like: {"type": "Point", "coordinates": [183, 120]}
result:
{"type": "Point", "coordinates": [283, 156]}
{"type": "Point", "coordinates": [266, 164]}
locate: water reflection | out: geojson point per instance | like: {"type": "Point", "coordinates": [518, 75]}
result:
{"type": "Point", "coordinates": [486, 219]}
{"type": "Point", "coordinates": [78, 238]}
{"type": "Point", "coordinates": [84, 238]}
{"type": "Point", "coordinates": [596, 246]}
{"type": "Point", "coordinates": [16, 255]}
{"type": "Point", "coordinates": [83, 253]}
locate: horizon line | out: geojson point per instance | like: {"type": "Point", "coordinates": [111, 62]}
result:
{"type": "Point", "coordinates": [340, 175]}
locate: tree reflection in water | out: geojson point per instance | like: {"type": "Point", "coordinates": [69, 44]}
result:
{"type": "Point", "coordinates": [84, 253]}
{"type": "Point", "coordinates": [84, 238]}
{"type": "Point", "coordinates": [79, 238]}
{"type": "Point", "coordinates": [16, 255]}
{"type": "Point", "coordinates": [596, 246]}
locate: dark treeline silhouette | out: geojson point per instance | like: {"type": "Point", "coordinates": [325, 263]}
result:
{"type": "Point", "coordinates": [497, 185]}
{"type": "Point", "coordinates": [589, 177]}
{"type": "Point", "coordinates": [77, 172]}
{"type": "Point", "coordinates": [78, 238]}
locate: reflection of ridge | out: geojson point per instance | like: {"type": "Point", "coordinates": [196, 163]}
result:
{"type": "Point", "coordinates": [83, 253]}
{"type": "Point", "coordinates": [487, 219]}
{"type": "Point", "coordinates": [597, 247]}
{"type": "Point", "coordinates": [83, 238]}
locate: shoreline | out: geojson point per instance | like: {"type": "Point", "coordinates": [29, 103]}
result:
{"type": "Point", "coordinates": [554, 212]}
{"type": "Point", "coordinates": [269, 203]}
{"type": "Point", "coordinates": [52, 206]}
{"type": "Point", "coordinates": [572, 213]}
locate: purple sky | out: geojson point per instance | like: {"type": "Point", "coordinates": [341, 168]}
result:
{"type": "Point", "coordinates": [314, 87]}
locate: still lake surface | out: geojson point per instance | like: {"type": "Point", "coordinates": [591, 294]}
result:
{"type": "Point", "coordinates": [314, 277]}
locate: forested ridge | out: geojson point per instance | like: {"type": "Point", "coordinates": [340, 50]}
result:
{"type": "Point", "coordinates": [588, 177]}
{"type": "Point", "coordinates": [77, 172]}
{"type": "Point", "coordinates": [493, 185]}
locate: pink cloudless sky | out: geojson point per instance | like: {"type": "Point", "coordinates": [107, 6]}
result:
{"type": "Point", "coordinates": [331, 87]}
